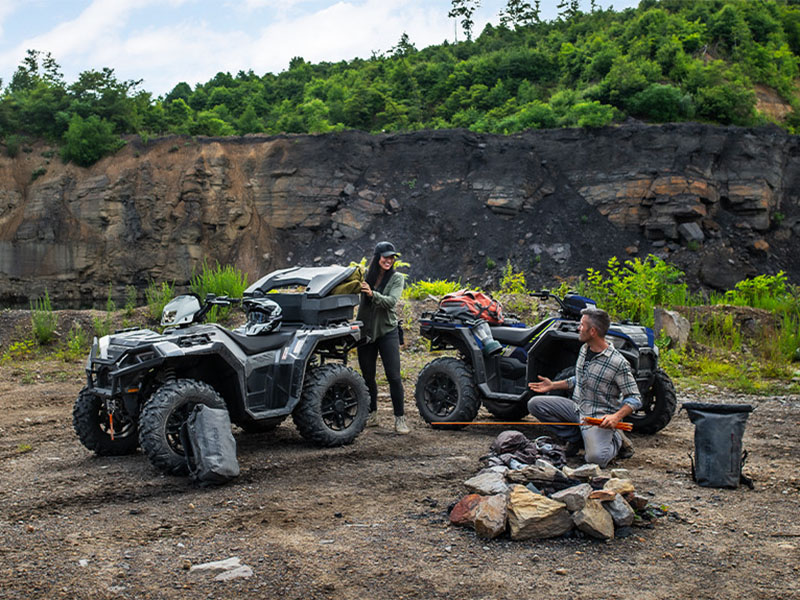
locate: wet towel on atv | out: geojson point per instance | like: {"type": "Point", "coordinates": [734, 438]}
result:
{"type": "Point", "coordinates": [209, 445]}
{"type": "Point", "coordinates": [512, 445]}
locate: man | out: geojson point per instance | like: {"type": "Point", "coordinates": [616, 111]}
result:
{"type": "Point", "coordinates": [602, 387]}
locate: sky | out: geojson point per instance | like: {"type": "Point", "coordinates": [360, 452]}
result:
{"type": "Point", "coordinates": [164, 42]}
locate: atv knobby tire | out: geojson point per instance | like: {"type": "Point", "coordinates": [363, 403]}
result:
{"type": "Point", "coordinates": [658, 408]}
{"type": "Point", "coordinates": [446, 391]}
{"type": "Point", "coordinates": [333, 406]}
{"type": "Point", "coordinates": [93, 426]}
{"type": "Point", "coordinates": [163, 417]}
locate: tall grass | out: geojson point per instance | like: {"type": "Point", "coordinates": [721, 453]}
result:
{"type": "Point", "coordinates": [43, 320]}
{"type": "Point", "coordinates": [221, 281]}
{"type": "Point", "coordinates": [157, 296]}
{"type": "Point", "coordinates": [422, 289]}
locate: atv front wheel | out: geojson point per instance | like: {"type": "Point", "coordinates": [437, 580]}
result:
{"type": "Point", "coordinates": [446, 392]}
{"type": "Point", "coordinates": [91, 421]}
{"type": "Point", "coordinates": [163, 417]}
{"type": "Point", "coordinates": [658, 406]}
{"type": "Point", "coordinates": [333, 407]}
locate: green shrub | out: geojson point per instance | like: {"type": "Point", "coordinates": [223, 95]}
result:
{"type": "Point", "coordinates": [220, 281]}
{"type": "Point", "coordinates": [157, 297]}
{"type": "Point", "coordinates": [77, 344]}
{"type": "Point", "coordinates": [43, 319]}
{"type": "Point", "coordinates": [37, 172]}
{"type": "Point", "coordinates": [87, 140]}
{"type": "Point", "coordinates": [12, 145]}
{"type": "Point", "coordinates": [512, 282]}
{"type": "Point", "coordinates": [131, 296]}
{"type": "Point", "coordinates": [18, 351]}
{"type": "Point", "coordinates": [438, 288]}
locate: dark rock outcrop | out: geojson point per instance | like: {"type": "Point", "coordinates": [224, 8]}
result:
{"type": "Point", "coordinates": [721, 203]}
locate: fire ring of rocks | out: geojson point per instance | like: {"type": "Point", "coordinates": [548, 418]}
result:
{"type": "Point", "coordinates": [539, 500]}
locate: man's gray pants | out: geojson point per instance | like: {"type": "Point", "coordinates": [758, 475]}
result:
{"type": "Point", "coordinates": [600, 445]}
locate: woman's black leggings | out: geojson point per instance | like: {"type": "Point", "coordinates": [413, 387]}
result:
{"type": "Point", "coordinates": [389, 348]}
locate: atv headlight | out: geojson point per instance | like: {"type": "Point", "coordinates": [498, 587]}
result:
{"type": "Point", "coordinates": [102, 346]}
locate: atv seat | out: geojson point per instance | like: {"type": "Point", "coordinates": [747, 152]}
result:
{"type": "Point", "coordinates": [513, 336]}
{"type": "Point", "coordinates": [254, 344]}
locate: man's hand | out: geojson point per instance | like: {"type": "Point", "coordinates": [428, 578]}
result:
{"type": "Point", "coordinates": [611, 421]}
{"type": "Point", "coordinates": [365, 289]}
{"type": "Point", "coordinates": [545, 385]}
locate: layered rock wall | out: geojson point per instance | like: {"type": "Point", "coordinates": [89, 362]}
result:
{"type": "Point", "coordinates": [458, 204]}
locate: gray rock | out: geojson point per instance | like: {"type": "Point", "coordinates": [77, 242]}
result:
{"type": "Point", "coordinates": [584, 472]}
{"type": "Point", "coordinates": [621, 512]}
{"type": "Point", "coordinates": [672, 324]}
{"type": "Point", "coordinates": [487, 483]}
{"type": "Point", "coordinates": [691, 232]}
{"type": "Point", "coordinates": [574, 497]}
{"type": "Point", "coordinates": [594, 520]}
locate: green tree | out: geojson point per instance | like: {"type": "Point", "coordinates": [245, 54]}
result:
{"type": "Point", "coordinates": [88, 140]}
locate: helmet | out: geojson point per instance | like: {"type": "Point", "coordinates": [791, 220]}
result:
{"type": "Point", "coordinates": [263, 316]}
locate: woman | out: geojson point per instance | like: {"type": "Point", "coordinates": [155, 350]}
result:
{"type": "Point", "coordinates": [380, 292]}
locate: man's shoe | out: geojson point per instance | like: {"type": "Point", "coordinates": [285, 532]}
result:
{"type": "Point", "coordinates": [573, 448]}
{"type": "Point", "coordinates": [626, 450]}
{"type": "Point", "coordinates": [400, 425]}
{"type": "Point", "coordinates": [372, 419]}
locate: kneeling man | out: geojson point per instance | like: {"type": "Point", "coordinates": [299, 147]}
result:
{"type": "Point", "coordinates": [602, 387]}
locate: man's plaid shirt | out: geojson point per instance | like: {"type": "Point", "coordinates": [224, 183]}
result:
{"type": "Point", "coordinates": [602, 385]}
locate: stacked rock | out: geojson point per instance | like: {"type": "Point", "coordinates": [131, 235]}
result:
{"type": "Point", "coordinates": [542, 501]}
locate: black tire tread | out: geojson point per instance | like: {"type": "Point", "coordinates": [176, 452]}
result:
{"type": "Point", "coordinates": [656, 420]}
{"type": "Point", "coordinates": [153, 420]}
{"type": "Point", "coordinates": [461, 373]}
{"type": "Point", "coordinates": [307, 416]}
{"type": "Point", "coordinates": [85, 423]}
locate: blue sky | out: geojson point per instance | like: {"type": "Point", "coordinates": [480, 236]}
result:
{"type": "Point", "coordinates": [164, 42]}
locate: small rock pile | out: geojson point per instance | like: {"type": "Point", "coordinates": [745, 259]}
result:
{"type": "Point", "coordinates": [542, 501]}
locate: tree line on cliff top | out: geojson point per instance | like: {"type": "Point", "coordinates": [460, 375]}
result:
{"type": "Point", "coordinates": [665, 61]}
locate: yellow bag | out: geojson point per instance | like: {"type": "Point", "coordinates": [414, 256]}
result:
{"type": "Point", "coordinates": [351, 285]}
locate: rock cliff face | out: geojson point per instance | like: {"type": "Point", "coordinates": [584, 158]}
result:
{"type": "Point", "coordinates": [722, 203]}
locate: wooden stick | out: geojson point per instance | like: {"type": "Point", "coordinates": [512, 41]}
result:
{"type": "Point", "coordinates": [589, 421]}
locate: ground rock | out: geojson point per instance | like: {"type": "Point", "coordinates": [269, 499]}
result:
{"type": "Point", "coordinates": [535, 516]}
{"type": "Point", "coordinates": [603, 495]}
{"type": "Point", "coordinates": [574, 497]}
{"type": "Point", "coordinates": [487, 483]}
{"type": "Point", "coordinates": [594, 520]}
{"type": "Point", "coordinates": [491, 516]}
{"type": "Point", "coordinates": [621, 512]}
{"type": "Point", "coordinates": [463, 512]}
{"type": "Point", "coordinates": [672, 324]}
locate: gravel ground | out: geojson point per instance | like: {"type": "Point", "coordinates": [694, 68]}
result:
{"type": "Point", "coordinates": [370, 520]}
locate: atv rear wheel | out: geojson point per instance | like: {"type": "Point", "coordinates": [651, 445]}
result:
{"type": "Point", "coordinates": [659, 404]}
{"type": "Point", "coordinates": [446, 391]}
{"type": "Point", "coordinates": [333, 407]}
{"type": "Point", "coordinates": [506, 412]}
{"type": "Point", "coordinates": [164, 416]}
{"type": "Point", "coordinates": [90, 419]}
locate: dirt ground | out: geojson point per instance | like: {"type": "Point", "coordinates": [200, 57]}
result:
{"type": "Point", "coordinates": [370, 520]}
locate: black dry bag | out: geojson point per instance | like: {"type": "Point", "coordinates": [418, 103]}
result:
{"type": "Point", "coordinates": [718, 430]}
{"type": "Point", "coordinates": [209, 445]}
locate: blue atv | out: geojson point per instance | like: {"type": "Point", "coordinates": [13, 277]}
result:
{"type": "Point", "coordinates": [495, 364]}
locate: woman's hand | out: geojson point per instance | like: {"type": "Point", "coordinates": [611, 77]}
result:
{"type": "Point", "coordinates": [365, 289]}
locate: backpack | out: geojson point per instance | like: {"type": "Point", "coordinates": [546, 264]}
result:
{"type": "Point", "coordinates": [718, 430]}
{"type": "Point", "coordinates": [209, 446]}
{"type": "Point", "coordinates": [476, 304]}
